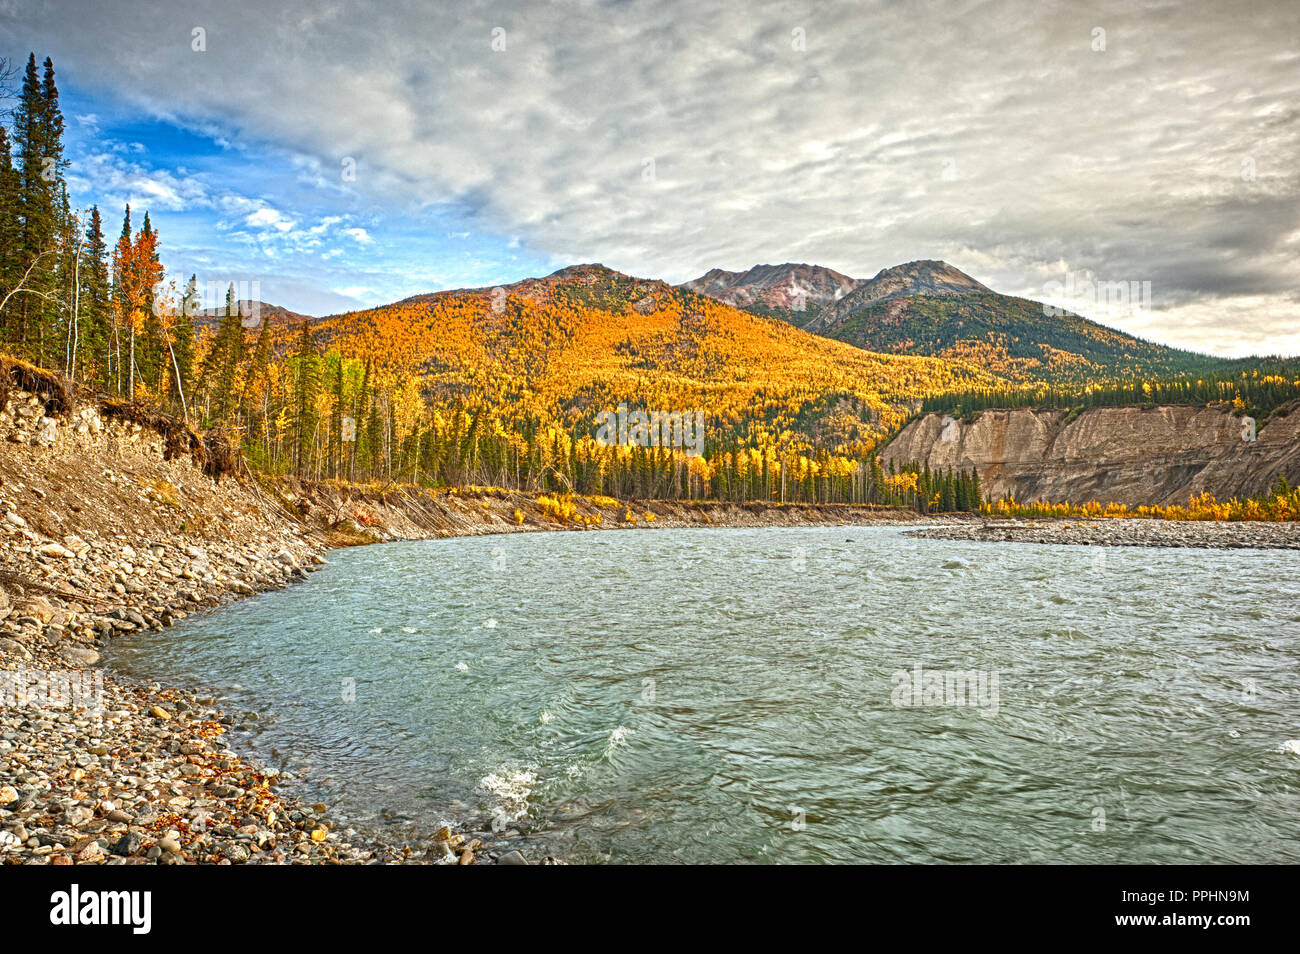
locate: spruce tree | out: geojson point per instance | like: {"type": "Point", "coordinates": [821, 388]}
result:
{"type": "Point", "coordinates": [306, 391]}
{"type": "Point", "coordinates": [336, 422]}
{"type": "Point", "coordinates": [95, 303]}
{"type": "Point", "coordinates": [11, 231]}
{"type": "Point", "coordinates": [122, 254]}
{"type": "Point", "coordinates": [38, 130]}
{"type": "Point", "coordinates": [225, 357]}
{"type": "Point", "coordinates": [152, 351]}
{"type": "Point", "coordinates": [949, 499]}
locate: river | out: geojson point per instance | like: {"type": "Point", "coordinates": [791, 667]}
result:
{"type": "Point", "coordinates": [770, 695]}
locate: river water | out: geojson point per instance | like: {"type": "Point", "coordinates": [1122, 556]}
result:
{"type": "Point", "coordinates": [754, 695]}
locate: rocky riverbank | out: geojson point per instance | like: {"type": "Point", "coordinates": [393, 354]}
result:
{"type": "Point", "coordinates": [1123, 533]}
{"type": "Point", "coordinates": [108, 525]}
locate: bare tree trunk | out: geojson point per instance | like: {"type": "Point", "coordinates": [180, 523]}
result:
{"type": "Point", "coordinates": [179, 388]}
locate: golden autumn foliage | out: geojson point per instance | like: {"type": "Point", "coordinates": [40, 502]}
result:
{"type": "Point", "coordinates": [507, 385]}
{"type": "Point", "coordinates": [1282, 504]}
{"type": "Point", "coordinates": [559, 350]}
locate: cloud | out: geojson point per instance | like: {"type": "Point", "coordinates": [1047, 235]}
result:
{"type": "Point", "coordinates": [356, 291]}
{"type": "Point", "coordinates": [121, 180]}
{"type": "Point", "coordinates": [664, 138]}
{"type": "Point", "coordinates": [267, 217]}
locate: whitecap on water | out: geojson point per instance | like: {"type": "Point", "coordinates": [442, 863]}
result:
{"type": "Point", "coordinates": [462, 667]}
{"type": "Point", "coordinates": [489, 624]}
{"type": "Point", "coordinates": [378, 629]}
{"type": "Point", "coordinates": [408, 629]}
{"type": "Point", "coordinates": [616, 738]}
{"type": "Point", "coordinates": [1291, 747]}
{"type": "Point", "coordinates": [546, 718]}
{"type": "Point", "coordinates": [511, 790]}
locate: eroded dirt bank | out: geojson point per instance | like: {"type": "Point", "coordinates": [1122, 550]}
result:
{"type": "Point", "coordinates": [1129, 455]}
{"type": "Point", "coordinates": [108, 525]}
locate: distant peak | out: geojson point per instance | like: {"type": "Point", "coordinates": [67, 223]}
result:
{"type": "Point", "coordinates": [923, 277]}
{"type": "Point", "coordinates": [932, 271]}
{"type": "Point", "coordinates": [585, 270]}
{"type": "Point", "coordinates": [790, 287]}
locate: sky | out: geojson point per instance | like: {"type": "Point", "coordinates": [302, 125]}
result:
{"type": "Point", "coordinates": [343, 154]}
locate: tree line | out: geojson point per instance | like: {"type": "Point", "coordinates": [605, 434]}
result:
{"type": "Point", "coordinates": [1256, 392]}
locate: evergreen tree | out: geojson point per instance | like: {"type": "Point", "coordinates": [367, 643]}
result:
{"type": "Point", "coordinates": [94, 311]}
{"type": "Point", "coordinates": [11, 232]}
{"type": "Point", "coordinates": [336, 421]}
{"type": "Point", "coordinates": [152, 356]}
{"type": "Point", "coordinates": [38, 131]}
{"type": "Point", "coordinates": [222, 366]}
{"type": "Point", "coordinates": [122, 327]}
{"type": "Point", "coordinates": [306, 391]}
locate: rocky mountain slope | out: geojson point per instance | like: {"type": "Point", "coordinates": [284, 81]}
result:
{"type": "Point", "coordinates": [1129, 455]}
{"type": "Point", "coordinates": [930, 308]}
{"type": "Point", "coordinates": [925, 277]}
{"type": "Point", "coordinates": [796, 293]}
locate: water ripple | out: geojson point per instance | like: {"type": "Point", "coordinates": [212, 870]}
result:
{"type": "Point", "coordinates": [730, 695]}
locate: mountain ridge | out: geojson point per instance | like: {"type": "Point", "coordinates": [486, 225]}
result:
{"type": "Point", "coordinates": [928, 277]}
{"type": "Point", "coordinates": [925, 308]}
{"type": "Point", "coordinates": [560, 347]}
{"type": "Point", "coordinates": [793, 291]}
{"type": "Point", "coordinates": [929, 307]}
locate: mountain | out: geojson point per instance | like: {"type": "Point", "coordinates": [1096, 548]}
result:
{"type": "Point", "coordinates": [931, 308]}
{"type": "Point", "coordinates": [559, 349]}
{"type": "Point", "coordinates": [794, 293]}
{"type": "Point", "coordinates": [928, 278]}
{"type": "Point", "coordinates": [253, 312]}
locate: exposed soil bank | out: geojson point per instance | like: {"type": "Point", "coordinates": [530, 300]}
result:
{"type": "Point", "coordinates": [1129, 455]}
{"type": "Point", "coordinates": [106, 528]}
{"type": "Point", "coordinates": [1124, 533]}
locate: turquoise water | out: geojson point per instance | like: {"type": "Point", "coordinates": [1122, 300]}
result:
{"type": "Point", "coordinates": [730, 695]}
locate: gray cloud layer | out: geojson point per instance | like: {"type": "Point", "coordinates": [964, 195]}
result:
{"type": "Point", "coordinates": [664, 138]}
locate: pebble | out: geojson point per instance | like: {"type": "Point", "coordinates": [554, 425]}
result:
{"type": "Point", "coordinates": [1125, 532]}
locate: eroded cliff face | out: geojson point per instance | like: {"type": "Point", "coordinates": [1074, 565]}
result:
{"type": "Point", "coordinates": [1129, 455]}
